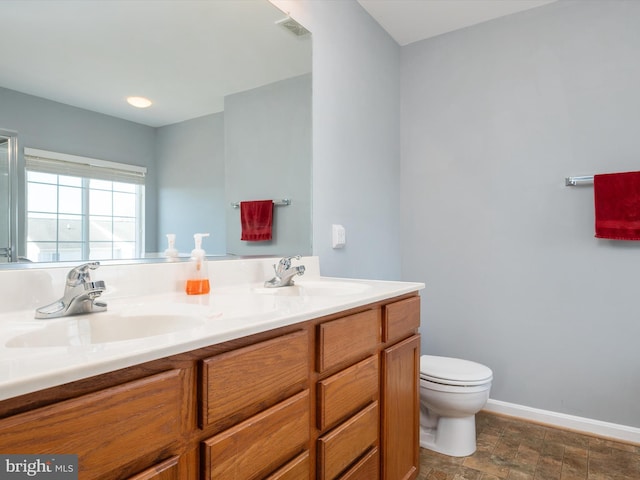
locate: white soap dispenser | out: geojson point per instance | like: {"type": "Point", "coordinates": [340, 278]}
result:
{"type": "Point", "coordinates": [171, 252]}
{"type": "Point", "coordinates": [198, 278]}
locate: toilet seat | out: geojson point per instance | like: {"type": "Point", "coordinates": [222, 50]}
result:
{"type": "Point", "coordinates": [454, 371]}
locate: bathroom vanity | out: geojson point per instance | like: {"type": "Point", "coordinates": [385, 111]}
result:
{"type": "Point", "coordinates": [323, 384]}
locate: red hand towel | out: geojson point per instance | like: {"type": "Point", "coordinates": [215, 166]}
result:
{"type": "Point", "coordinates": [617, 205]}
{"type": "Point", "coordinates": [256, 219]}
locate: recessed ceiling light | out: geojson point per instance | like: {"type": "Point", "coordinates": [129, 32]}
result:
{"type": "Point", "coordinates": [139, 102]}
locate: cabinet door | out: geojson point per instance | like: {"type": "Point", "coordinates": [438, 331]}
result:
{"type": "Point", "coordinates": [400, 410]}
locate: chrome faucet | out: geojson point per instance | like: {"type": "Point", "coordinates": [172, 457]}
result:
{"type": "Point", "coordinates": [80, 294]}
{"type": "Point", "coordinates": [284, 273]}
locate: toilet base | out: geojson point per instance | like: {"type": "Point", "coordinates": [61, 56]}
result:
{"type": "Point", "coordinates": [455, 437]}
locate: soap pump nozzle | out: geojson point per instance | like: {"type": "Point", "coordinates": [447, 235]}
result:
{"type": "Point", "coordinates": [171, 253]}
{"type": "Point", "coordinates": [198, 251]}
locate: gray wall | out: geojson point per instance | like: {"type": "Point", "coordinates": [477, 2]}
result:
{"type": "Point", "coordinates": [268, 156]}
{"type": "Point", "coordinates": [356, 138]}
{"type": "Point", "coordinates": [190, 158]}
{"type": "Point", "coordinates": [53, 126]}
{"type": "Point", "coordinates": [493, 118]}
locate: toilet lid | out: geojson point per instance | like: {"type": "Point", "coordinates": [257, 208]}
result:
{"type": "Point", "coordinates": [453, 371]}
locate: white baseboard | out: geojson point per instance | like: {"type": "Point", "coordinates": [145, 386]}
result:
{"type": "Point", "coordinates": [588, 426]}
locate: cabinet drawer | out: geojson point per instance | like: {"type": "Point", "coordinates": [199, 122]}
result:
{"type": "Point", "coordinates": [344, 444]}
{"type": "Point", "coordinates": [107, 429]}
{"type": "Point", "coordinates": [296, 469]}
{"type": "Point", "coordinates": [346, 392]}
{"type": "Point", "coordinates": [348, 339]}
{"type": "Point", "coordinates": [242, 382]}
{"type": "Point", "coordinates": [261, 444]}
{"type": "Point", "coordinates": [368, 468]}
{"type": "Point", "coordinates": [167, 470]}
{"type": "Point", "coordinates": [401, 319]}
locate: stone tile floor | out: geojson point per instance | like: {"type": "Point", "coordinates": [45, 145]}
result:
{"type": "Point", "coordinates": [512, 449]}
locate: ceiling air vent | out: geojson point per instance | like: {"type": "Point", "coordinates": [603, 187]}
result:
{"type": "Point", "coordinates": [293, 26]}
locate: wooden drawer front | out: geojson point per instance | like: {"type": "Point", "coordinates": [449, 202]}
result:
{"type": "Point", "coordinates": [261, 444]}
{"type": "Point", "coordinates": [344, 444]}
{"type": "Point", "coordinates": [348, 338]}
{"type": "Point", "coordinates": [401, 319]}
{"type": "Point", "coordinates": [296, 469]}
{"type": "Point", "coordinates": [243, 382]}
{"type": "Point", "coordinates": [346, 392]}
{"type": "Point", "coordinates": [368, 468]}
{"type": "Point", "coordinates": [107, 429]}
{"type": "Point", "coordinates": [167, 470]}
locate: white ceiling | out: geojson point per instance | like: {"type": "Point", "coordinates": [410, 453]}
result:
{"type": "Point", "coordinates": [408, 21]}
{"type": "Point", "coordinates": [185, 55]}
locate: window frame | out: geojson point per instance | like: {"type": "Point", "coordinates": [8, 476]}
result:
{"type": "Point", "coordinates": [87, 169]}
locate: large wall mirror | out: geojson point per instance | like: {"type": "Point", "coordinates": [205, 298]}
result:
{"type": "Point", "coordinates": [230, 121]}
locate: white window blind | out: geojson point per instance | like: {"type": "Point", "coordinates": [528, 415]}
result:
{"type": "Point", "coordinates": [73, 165]}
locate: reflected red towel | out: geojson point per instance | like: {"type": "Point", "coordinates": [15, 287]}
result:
{"type": "Point", "coordinates": [617, 205]}
{"type": "Point", "coordinates": [256, 218]}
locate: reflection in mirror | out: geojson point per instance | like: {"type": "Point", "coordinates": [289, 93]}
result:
{"type": "Point", "coordinates": [8, 207]}
{"type": "Point", "coordinates": [5, 245]}
{"type": "Point", "coordinates": [205, 65]}
{"type": "Point", "coordinates": [82, 209]}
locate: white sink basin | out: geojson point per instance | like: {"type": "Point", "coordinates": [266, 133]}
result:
{"type": "Point", "coordinates": [104, 327]}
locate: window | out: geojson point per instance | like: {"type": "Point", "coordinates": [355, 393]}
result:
{"type": "Point", "coordinates": [82, 209]}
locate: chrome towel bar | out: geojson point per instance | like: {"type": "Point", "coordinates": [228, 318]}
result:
{"type": "Point", "coordinates": [575, 181]}
{"type": "Point", "coordinates": [279, 203]}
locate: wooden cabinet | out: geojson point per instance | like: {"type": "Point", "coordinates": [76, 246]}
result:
{"type": "Point", "coordinates": [346, 392]}
{"type": "Point", "coordinates": [348, 338]}
{"type": "Point", "coordinates": [116, 429]}
{"type": "Point", "coordinates": [167, 470]}
{"type": "Point", "coordinates": [348, 442]}
{"type": "Point", "coordinates": [242, 382]}
{"type": "Point", "coordinates": [297, 469]}
{"type": "Point", "coordinates": [330, 398]}
{"type": "Point", "coordinates": [368, 468]}
{"type": "Point", "coordinates": [376, 353]}
{"type": "Point", "coordinates": [400, 392]}
{"type": "Point", "coordinates": [400, 319]}
{"type": "Point", "coordinates": [260, 445]}
{"type": "Point", "coordinates": [400, 401]}
{"type": "Point", "coordinates": [348, 413]}
{"type": "Point", "coordinates": [257, 391]}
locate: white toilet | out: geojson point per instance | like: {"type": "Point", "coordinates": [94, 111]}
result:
{"type": "Point", "coordinates": [452, 391]}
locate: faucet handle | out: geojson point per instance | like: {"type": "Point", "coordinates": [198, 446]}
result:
{"type": "Point", "coordinates": [285, 263]}
{"type": "Point", "coordinates": [81, 274]}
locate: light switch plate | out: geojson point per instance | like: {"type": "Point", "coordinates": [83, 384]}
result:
{"type": "Point", "coordinates": [338, 236]}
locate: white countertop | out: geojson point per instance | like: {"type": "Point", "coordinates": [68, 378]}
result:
{"type": "Point", "coordinates": [230, 311]}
